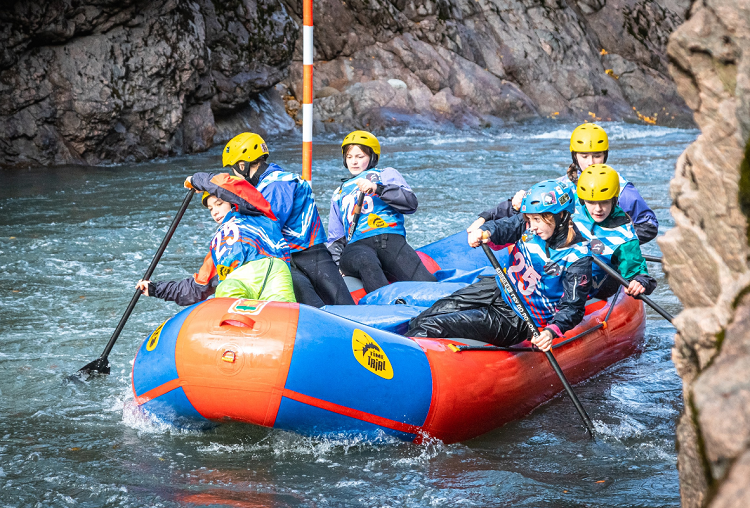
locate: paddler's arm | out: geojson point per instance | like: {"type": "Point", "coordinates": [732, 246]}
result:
{"type": "Point", "coordinates": [336, 239]}
{"type": "Point", "coordinates": [187, 291]}
{"type": "Point", "coordinates": [572, 306]}
{"type": "Point", "coordinates": [394, 191]}
{"type": "Point", "coordinates": [628, 260]}
{"type": "Point", "coordinates": [505, 231]}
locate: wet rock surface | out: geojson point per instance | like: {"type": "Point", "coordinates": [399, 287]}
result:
{"type": "Point", "coordinates": [87, 82]}
{"type": "Point", "coordinates": [706, 255]}
{"type": "Point", "coordinates": [474, 63]}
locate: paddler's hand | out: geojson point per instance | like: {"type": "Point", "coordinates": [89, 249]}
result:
{"type": "Point", "coordinates": [517, 200]}
{"type": "Point", "coordinates": [543, 341]}
{"type": "Point", "coordinates": [367, 186]}
{"type": "Point", "coordinates": [143, 286]}
{"type": "Point", "coordinates": [189, 183]}
{"type": "Point", "coordinates": [478, 237]}
{"type": "Point", "coordinates": [635, 288]}
{"type": "Point", "coordinates": [475, 225]}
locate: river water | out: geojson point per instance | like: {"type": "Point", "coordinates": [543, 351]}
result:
{"type": "Point", "coordinates": [74, 240]}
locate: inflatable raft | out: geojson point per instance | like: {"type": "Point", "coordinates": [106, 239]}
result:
{"type": "Point", "coordinates": [302, 369]}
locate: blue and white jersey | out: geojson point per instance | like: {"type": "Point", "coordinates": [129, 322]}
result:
{"type": "Point", "coordinates": [539, 277]}
{"type": "Point", "coordinates": [603, 241]}
{"type": "Point", "coordinates": [244, 238]}
{"type": "Point", "coordinates": [377, 218]}
{"type": "Point", "coordinates": [292, 202]}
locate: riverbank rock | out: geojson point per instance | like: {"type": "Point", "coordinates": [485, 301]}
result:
{"type": "Point", "coordinates": [86, 82]}
{"type": "Point", "coordinates": [706, 255]}
{"type": "Point", "coordinates": [470, 62]}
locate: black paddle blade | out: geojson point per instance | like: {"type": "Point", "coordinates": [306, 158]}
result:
{"type": "Point", "coordinates": [98, 366]}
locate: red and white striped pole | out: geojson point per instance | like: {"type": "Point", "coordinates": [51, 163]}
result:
{"type": "Point", "coordinates": [307, 88]}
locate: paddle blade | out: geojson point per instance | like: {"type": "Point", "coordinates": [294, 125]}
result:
{"type": "Point", "coordinates": [98, 366]}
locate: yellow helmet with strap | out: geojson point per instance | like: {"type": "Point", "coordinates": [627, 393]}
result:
{"type": "Point", "coordinates": [598, 182]}
{"type": "Point", "coordinates": [362, 138]}
{"type": "Point", "coordinates": [246, 147]}
{"type": "Point", "coordinates": [589, 137]}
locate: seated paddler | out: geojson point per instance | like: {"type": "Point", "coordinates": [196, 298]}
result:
{"type": "Point", "coordinates": [372, 245]}
{"type": "Point", "coordinates": [610, 232]}
{"type": "Point", "coordinates": [550, 266]}
{"type": "Point", "coordinates": [248, 257]}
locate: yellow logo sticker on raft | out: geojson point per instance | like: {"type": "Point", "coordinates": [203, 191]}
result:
{"type": "Point", "coordinates": [154, 339]}
{"type": "Point", "coordinates": [370, 355]}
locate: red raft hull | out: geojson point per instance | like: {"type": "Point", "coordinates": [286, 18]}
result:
{"type": "Point", "coordinates": [301, 369]}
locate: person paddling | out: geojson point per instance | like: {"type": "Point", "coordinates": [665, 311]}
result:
{"type": "Point", "coordinates": [377, 251]}
{"type": "Point", "coordinates": [550, 268]}
{"type": "Point", "coordinates": [317, 281]}
{"type": "Point", "coordinates": [589, 144]}
{"type": "Point", "coordinates": [248, 255]}
{"type": "Point", "coordinates": [610, 233]}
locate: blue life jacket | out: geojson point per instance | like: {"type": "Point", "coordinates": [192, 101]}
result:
{"type": "Point", "coordinates": [244, 238]}
{"type": "Point", "coordinates": [292, 202]}
{"type": "Point", "coordinates": [378, 218]}
{"type": "Point", "coordinates": [603, 242]}
{"type": "Point", "coordinates": [539, 278]}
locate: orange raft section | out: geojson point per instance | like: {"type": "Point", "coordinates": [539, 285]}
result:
{"type": "Point", "coordinates": [301, 369]}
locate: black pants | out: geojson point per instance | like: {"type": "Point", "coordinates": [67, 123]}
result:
{"type": "Point", "coordinates": [383, 258]}
{"type": "Point", "coordinates": [316, 278]}
{"type": "Point", "coordinates": [477, 312]}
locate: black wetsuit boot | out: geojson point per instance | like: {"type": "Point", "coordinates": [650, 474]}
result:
{"type": "Point", "coordinates": [476, 312]}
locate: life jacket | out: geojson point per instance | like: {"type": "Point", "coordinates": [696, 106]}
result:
{"type": "Point", "coordinates": [378, 218]}
{"type": "Point", "coordinates": [603, 241]}
{"type": "Point", "coordinates": [302, 227]}
{"type": "Point", "coordinates": [538, 277]}
{"type": "Point", "coordinates": [243, 238]}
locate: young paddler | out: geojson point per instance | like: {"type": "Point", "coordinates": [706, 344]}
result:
{"type": "Point", "coordinates": [248, 255]}
{"type": "Point", "coordinates": [550, 267]}
{"type": "Point", "coordinates": [317, 280]}
{"type": "Point", "coordinates": [377, 251]}
{"type": "Point", "coordinates": [589, 144]}
{"type": "Point", "coordinates": [610, 232]}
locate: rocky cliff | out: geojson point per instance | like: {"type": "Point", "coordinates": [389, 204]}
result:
{"type": "Point", "coordinates": [706, 255]}
{"type": "Point", "coordinates": [472, 62]}
{"type": "Point", "coordinates": [88, 81]}
{"type": "Point", "coordinates": [113, 80]}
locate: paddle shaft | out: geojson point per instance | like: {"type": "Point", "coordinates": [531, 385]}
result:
{"type": "Point", "coordinates": [513, 296]}
{"type": "Point", "coordinates": [355, 217]}
{"type": "Point", "coordinates": [619, 278]}
{"type": "Point", "coordinates": [655, 259]}
{"type": "Point", "coordinates": [147, 276]}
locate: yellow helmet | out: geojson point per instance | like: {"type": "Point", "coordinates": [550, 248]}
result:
{"type": "Point", "coordinates": [598, 182]}
{"type": "Point", "coordinates": [204, 198]}
{"type": "Point", "coordinates": [362, 138]}
{"type": "Point", "coordinates": [366, 139]}
{"type": "Point", "coordinates": [246, 147]}
{"type": "Point", "coordinates": [589, 137]}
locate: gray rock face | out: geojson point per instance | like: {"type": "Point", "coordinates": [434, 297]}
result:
{"type": "Point", "coordinates": [131, 80]}
{"type": "Point", "coordinates": [471, 62]}
{"type": "Point", "coordinates": [706, 255]}
{"type": "Point", "coordinates": [86, 82]}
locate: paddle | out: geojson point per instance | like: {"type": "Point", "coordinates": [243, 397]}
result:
{"type": "Point", "coordinates": [619, 278]}
{"type": "Point", "coordinates": [513, 296]}
{"type": "Point", "coordinates": [101, 364]}
{"type": "Point", "coordinates": [355, 218]}
{"type": "Point", "coordinates": [655, 259]}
